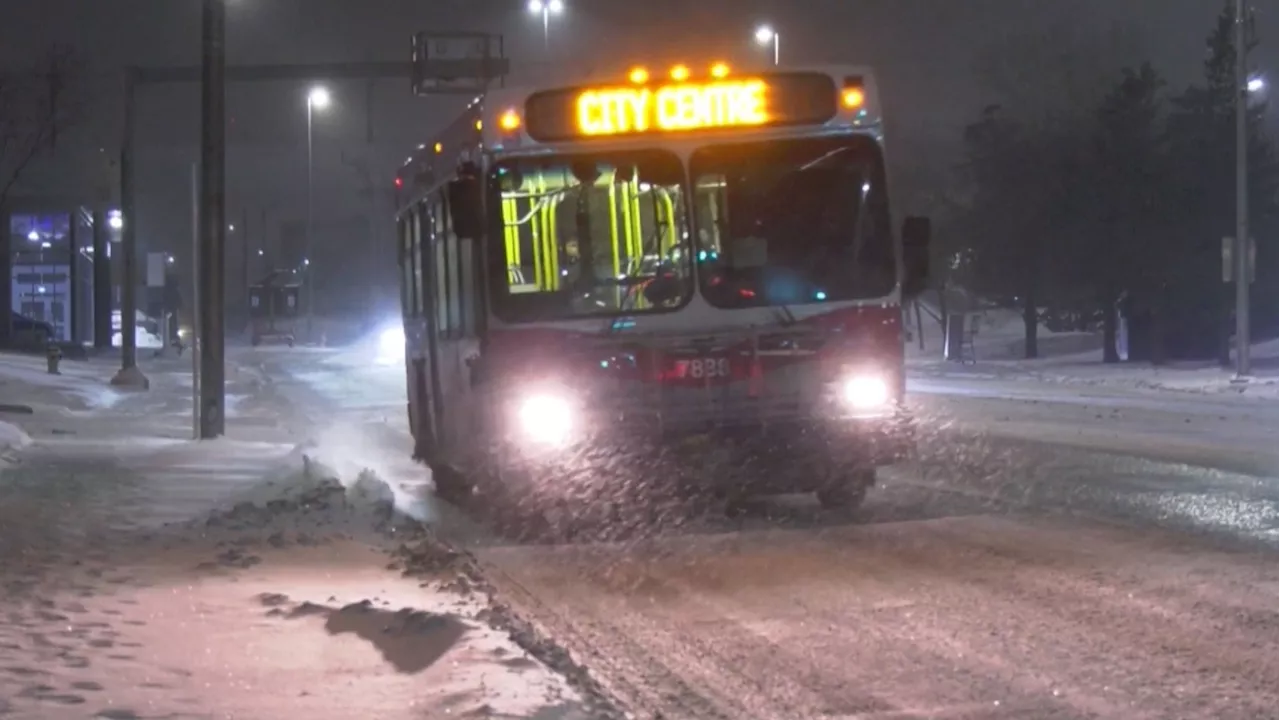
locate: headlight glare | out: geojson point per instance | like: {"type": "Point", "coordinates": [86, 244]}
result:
{"type": "Point", "coordinates": [391, 345]}
{"type": "Point", "coordinates": [865, 392]}
{"type": "Point", "coordinates": [546, 419]}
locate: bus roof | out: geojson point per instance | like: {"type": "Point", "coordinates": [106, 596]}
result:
{"type": "Point", "coordinates": [497, 122]}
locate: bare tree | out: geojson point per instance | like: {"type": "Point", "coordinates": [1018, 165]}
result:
{"type": "Point", "coordinates": [38, 103]}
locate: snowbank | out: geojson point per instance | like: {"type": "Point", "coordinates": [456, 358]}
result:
{"type": "Point", "coordinates": [25, 379]}
{"type": "Point", "coordinates": [999, 336]}
{"type": "Point", "coordinates": [1087, 368]}
{"type": "Point", "coordinates": [143, 339]}
{"type": "Point", "coordinates": [12, 439]}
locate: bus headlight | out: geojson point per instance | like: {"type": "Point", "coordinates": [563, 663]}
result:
{"type": "Point", "coordinates": [391, 345]}
{"type": "Point", "coordinates": [546, 419]}
{"type": "Point", "coordinates": [865, 391]}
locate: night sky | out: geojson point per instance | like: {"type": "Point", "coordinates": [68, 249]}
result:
{"type": "Point", "coordinates": [928, 55]}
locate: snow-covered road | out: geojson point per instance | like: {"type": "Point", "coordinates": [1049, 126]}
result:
{"type": "Point", "coordinates": [1055, 551]}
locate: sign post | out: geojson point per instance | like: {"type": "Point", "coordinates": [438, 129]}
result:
{"type": "Point", "coordinates": [1229, 263]}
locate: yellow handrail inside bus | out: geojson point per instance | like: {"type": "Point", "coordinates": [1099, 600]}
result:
{"type": "Point", "coordinates": [535, 243]}
{"type": "Point", "coordinates": [547, 214]}
{"type": "Point", "coordinates": [511, 231]}
{"type": "Point", "coordinates": [635, 218]}
{"type": "Point", "coordinates": [670, 217]}
{"type": "Point", "coordinates": [613, 235]}
{"type": "Point", "coordinates": [627, 226]}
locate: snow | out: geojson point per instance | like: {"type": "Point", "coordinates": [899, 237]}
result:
{"type": "Point", "coordinates": [1075, 358]}
{"type": "Point", "coordinates": [1088, 369]}
{"type": "Point", "coordinates": [12, 439]}
{"type": "Point", "coordinates": [143, 339]}
{"type": "Point", "coordinates": [263, 575]}
{"type": "Point", "coordinates": [25, 378]}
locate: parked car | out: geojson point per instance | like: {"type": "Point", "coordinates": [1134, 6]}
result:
{"type": "Point", "coordinates": [22, 329]}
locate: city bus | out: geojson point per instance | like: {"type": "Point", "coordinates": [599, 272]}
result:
{"type": "Point", "coordinates": [690, 274]}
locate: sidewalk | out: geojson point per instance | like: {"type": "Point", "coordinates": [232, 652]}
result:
{"type": "Point", "coordinates": [148, 575]}
{"type": "Point", "coordinates": [1200, 378]}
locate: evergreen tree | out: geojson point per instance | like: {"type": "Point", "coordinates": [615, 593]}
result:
{"type": "Point", "coordinates": [1128, 196]}
{"type": "Point", "coordinates": [1201, 137]}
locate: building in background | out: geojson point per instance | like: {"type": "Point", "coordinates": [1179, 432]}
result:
{"type": "Point", "coordinates": [48, 260]}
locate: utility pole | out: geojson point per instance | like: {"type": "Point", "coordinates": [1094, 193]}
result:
{"type": "Point", "coordinates": [213, 220]}
{"type": "Point", "coordinates": [195, 301]}
{"type": "Point", "coordinates": [129, 374]}
{"type": "Point", "coordinates": [1241, 259]}
{"type": "Point", "coordinates": [264, 266]}
{"type": "Point", "coordinates": [309, 259]}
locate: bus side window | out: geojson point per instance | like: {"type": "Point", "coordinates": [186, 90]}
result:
{"type": "Point", "coordinates": [457, 296]}
{"type": "Point", "coordinates": [404, 233]}
{"type": "Point", "coordinates": [417, 237]}
{"type": "Point", "coordinates": [467, 283]}
{"type": "Point", "coordinates": [464, 298]}
{"type": "Point", "coordinates": [444, 291]}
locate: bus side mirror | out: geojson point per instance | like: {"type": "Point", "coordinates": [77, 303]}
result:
{"type": "Point", "coordinates": [466, 212]}
{"type": "Point", "coordinates": [916, 232]}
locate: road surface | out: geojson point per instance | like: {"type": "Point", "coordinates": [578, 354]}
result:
{"type": "Point", "coordinates": [1054, 552]}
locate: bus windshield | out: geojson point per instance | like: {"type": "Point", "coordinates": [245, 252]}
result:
{"type": "Point", "coordinates": [792, 222]}
{"type": "Point", "coordinates": [593, 234]}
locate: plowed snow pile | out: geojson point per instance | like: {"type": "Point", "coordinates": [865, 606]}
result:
{"type": "Point", "coordinates": [281, 602]}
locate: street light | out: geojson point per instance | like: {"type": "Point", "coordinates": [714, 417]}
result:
{"type": "Point", "coordinates": [766, 35]}
{"type": "Point", "coordinates": [1256, 84]}
{"type": "Point", "coordinates": [546, 8]}
{"type": "Point", "coordinates": [1244, 86]}
{"type": "Point", "coordinates": [317, 99]}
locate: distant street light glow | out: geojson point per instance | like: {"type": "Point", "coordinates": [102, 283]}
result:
{"type": "Point", "coordinates": [319, 97]}
{"type": "Point", "coordinates": [767, 36]}
{"type": "Point", "coordinates": [33, 236]}
{"type": "Point", "coordinates": [546, 8]}
{"type": "Point", "coordinates": [1256, 84]}
{"type": "Point", "coordinates": [552, 7]}
{"type": "Point", "coordinates": [116, 220]}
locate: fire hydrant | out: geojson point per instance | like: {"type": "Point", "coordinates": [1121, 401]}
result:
{"type": "Point", "coordinates": [53, 356]}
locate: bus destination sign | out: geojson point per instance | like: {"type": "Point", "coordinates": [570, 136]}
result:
{"type": "Point", "coordinates": [687, 106]}
{"type": "Point", "coordinates": [611, 111]}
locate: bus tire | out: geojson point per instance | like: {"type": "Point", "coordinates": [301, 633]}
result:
{"type": "Point", "coordinates": [847, 493]}
{"type": "Point", "coordinates": [451, 485]}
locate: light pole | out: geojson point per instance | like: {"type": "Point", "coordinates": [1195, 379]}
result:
{"type": "Point", "coordinates": [766, 36]}
{"type": "Point", "coordinates": [213, 224]}
{"type": "Point", "coordinates": [317, 99]}
{"type": "Point", "coordinates": [546, 8]}
{"type": "Point", "coordinates": [1241, 259]}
